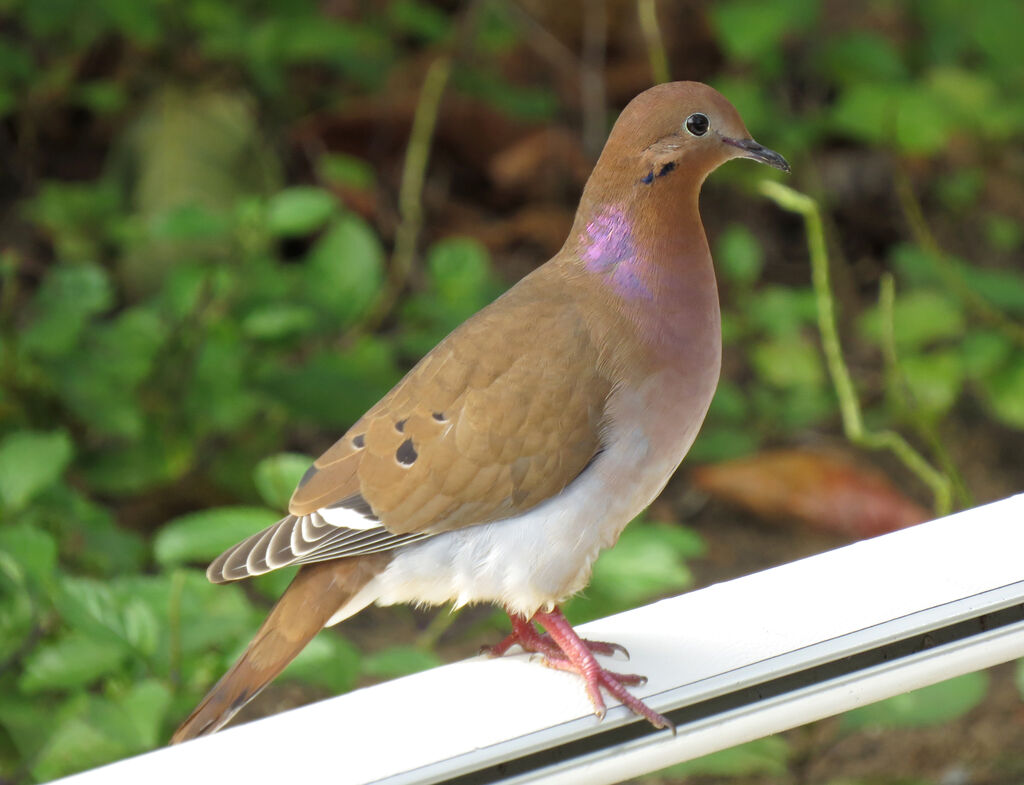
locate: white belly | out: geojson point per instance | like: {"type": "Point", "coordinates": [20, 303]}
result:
{"type": "Point", "coordinates": [543, 556]}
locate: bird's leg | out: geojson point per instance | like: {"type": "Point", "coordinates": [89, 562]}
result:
{"type": "Point", "coordinates": [578, 657]}
{"type": "Point", "coordinates": [526, 635]}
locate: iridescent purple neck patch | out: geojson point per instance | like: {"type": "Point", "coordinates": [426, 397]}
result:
{"type": "Point", "coordinates": [608, 248]}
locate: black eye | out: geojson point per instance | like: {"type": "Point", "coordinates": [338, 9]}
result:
{"type": "Point", "coordinates": [698, 124]}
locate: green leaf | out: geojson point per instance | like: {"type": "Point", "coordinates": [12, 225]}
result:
{"type": "Point", "coordinates": [934, 379]}
{"type": "Point", "coordinates": [207, 616]}
{"type": "Point", "coordinates": [729, 403]}
{"type": "Point", "coordinates": [859, 57]}
{"type": "Point", "coordinates": [750, 30]}
{"type": "Point", "coordinates": [276, 476]}
{"type": "Point", "coordinates": [101, 96]}
{"type": "Point", "coordinates": [29, 722]}
{"type": "Point", "coordinates": [1006, 235]}
{"type": "Point", "coordinates": [33, 550]}
{"type": "Point", "coordinates": [920, 317]}
{"type": "Point", "coordinates": [983, 352]}
{"type": "Point", "coordinates": [789, 362]}
{"type": "Point", "coordinates": [336, 388]}
{"type": "Point", "coordinates": [300, 210]}
{"type": "Point", "coordinates": [145, 707]}
{"type": "Point", "coordinates": [68, 296]}
{"type": "Point", "coordinates": [124, 469]}
{"type": "Point", "coordinates": [278, 320]}
{"type": "Point", "coordinates": [396, 661]}
{"type": "Point", "coordinates": [77, 744]}
{"type": "Point", "coordinates": [925, 707]}
{"type": "Point", "coordinates": [461, 283]}
{"type": "Point", "coordinates": [99, 381]}
{"type": "Point", "coordinates": [909, 117]}
{"type": "Point", "coordinates": [346, 170]}
{"type": "Point", "coordinates": [960, 188]}
{"type": "Point", "coordinates": [1001, 392]}
{"type": "Point", "coordinates": [739, 255]}
{"type": "Point", "coordinates": [29, 462]}
{"type": "Point", "coordinates": [75, 660]}
{"type": "Point", "coordinates": [18, 608]}
{"type": "Point", "coordinates": [104, 611]}
{"type": "Point", "coordinates": [460, 272]}
{"type": "Point", "coordinates": [328, 661]}
{"type": "Point", "coordinates": [189, 222]}
{"type": "Point", "coordinates": [866, 111]}
{"type": "Point", "coordinates": [1002, 288]}
{"type": "Point", "coordinates": [916, 265]}
{"type": "Point", "coordinates": [717, 442]}
{"type": "Point", "coordinates": [204, 535]}
{"type": "Point", "coordinates": [769, 755]}
{"type": "Point", "coordinates": [420, 19]}
{"type": "Point", "coordinates": [345, 269]}
{"type": "Point", "coordinates": [924, 123]}
{"type": "Point", "coordinates": [649, 560]}
{"type": "Point", "coordinates": [781, 310]}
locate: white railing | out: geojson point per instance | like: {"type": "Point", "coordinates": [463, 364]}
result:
{"type": "Point", "coordinates": [728, 663]}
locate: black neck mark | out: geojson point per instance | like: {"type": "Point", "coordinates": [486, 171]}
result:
{"type": "Point", "coordinates": [648, 178]}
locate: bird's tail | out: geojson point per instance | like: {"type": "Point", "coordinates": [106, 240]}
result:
{"type": "Point", "coordinates": [313, 597]}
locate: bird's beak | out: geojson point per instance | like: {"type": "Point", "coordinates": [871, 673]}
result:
{"type": "Point", "coordinates": [759, 152]}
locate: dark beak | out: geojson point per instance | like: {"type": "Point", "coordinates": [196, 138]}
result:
{"type": "Point", "coordinates": [759, 152]}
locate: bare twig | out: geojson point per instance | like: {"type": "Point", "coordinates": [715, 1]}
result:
{"type": "Point", "coordinates": [849, 405]}
{"type": "Point", "coordinates": [543, 41]}
{"type": "Point", "coordinates": [647, 11]}
{"type": "Point", "coordinates": [410, 194]}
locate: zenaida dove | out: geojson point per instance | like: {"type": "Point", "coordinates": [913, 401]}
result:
{"type": "Point", "coordinates": [522, 445]}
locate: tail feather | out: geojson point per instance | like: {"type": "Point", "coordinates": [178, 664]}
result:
{"type": "Point", "coordinates": [313, 597]}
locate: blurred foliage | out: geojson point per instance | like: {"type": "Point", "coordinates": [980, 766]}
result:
{"type": "Point", "coordinates": [184, 293]}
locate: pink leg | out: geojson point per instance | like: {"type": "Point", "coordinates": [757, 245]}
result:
{"type": "Point", "coordinates": [577, 657]}
{"type": "Point", "coordinates": [526, 635]}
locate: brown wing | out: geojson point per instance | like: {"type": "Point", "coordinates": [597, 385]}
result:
{"type": "Point", "coordinates": [501, 415]}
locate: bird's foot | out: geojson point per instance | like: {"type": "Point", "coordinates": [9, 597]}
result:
{"type": "Point", "coordinates": [526, 636]}
{"type": "Point", "coordinates": [577, 656]}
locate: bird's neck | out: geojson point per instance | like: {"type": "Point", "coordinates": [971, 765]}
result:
{"type": "Point", "coordinates": [647, 256]}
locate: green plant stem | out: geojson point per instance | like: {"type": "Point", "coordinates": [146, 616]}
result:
{"type": "Point", "coordinates": [174, 625]}
{"type": "Point", "coordinates": [849, 405]}
{"type": "Point", "coordinates": [902, 397]}
{"type": "Point", "coordinates": [442, 620]}
{"type": "Point", "coordinates": [950, 275]}
{"type": "Point", "coordinates": [647, 11]}
{"type": "Point", "coordinates": [410, 193]}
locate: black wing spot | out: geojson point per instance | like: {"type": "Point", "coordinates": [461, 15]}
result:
{"type": "Point", "coordinates": [439, 416]}
{"type": "Point", "coordinates": [359, 442]}
{"type": "Point", "coordinates": [667, 168]}
{"type": "Point", "coordinates": [307, 476]}
{"type": "Point", "coordinates": [357, 503]}
{"type": "Point", "coordinates": [406, 453]}
{"type": "Point", "coordinates": [400, 425]}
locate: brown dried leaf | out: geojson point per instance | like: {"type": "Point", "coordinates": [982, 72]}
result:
{"type": "Point", "coordinates": [827, 491]}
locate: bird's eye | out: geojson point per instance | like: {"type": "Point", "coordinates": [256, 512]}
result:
{"type": "Point", "coordinates": [697, 124]}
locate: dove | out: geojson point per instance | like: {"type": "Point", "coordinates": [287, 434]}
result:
{"type": "Point", "coordinates": [519, 447]}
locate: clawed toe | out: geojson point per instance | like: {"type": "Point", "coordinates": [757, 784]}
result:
{"type": "Point", "coordinates": [606, 649]}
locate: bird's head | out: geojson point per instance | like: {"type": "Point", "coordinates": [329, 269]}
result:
{"type": "Point", "coordinates": [680, 127]}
